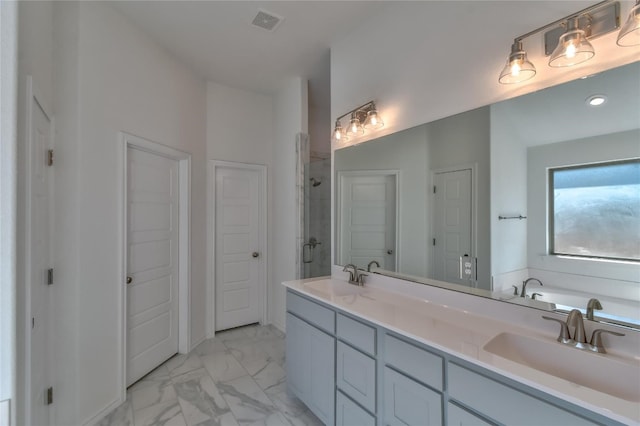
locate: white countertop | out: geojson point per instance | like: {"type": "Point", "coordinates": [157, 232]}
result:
{"type": "Point", "coordinates": [462, 334]}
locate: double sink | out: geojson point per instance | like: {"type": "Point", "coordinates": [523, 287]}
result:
{"type": "Point", "coordinates": [606, 373]}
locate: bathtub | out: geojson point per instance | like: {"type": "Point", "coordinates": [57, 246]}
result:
{"type": "Point", "coordinates": [620, 310]}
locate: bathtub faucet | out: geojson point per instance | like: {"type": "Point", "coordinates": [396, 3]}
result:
{"type": "Point", "coordinates": [523, 293]}
{"type": "Point", "coordinates": [591, 305]}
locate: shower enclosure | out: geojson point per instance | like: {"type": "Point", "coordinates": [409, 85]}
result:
{"type": "Point", "coordinates": [314, 210]}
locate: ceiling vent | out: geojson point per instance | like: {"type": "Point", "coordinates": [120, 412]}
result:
{"type": "Point", "coordinates": [267, 20]}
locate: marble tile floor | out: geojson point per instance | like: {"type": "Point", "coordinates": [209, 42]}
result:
{"type": "Point", "coordinates": [237, 378]}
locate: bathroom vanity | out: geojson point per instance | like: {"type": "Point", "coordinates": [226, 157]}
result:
{"type": "Point", "coordinates": [371, 356]}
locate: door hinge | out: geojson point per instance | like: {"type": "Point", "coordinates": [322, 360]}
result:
{"type": "Point", "coordinates": [48, 399]}
{"type": "Point", "coordinates": [50, 276]}
{"type": "Point", "coordinates": [50, 157]}
{"type": "Point", "coordinates": [434, 241]}
{"type": "Point", "coordinates": [33, 322]}
{"type": "Point", "coordinates": [434, 189]}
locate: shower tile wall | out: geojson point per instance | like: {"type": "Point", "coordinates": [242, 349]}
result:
{"type": "Point", "coordinates": [318, 200]}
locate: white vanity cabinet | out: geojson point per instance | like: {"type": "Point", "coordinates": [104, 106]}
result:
{"type": "Point", "coordinates": [310, 358]}
{"type": "Point", "coordinates": [349, 371]}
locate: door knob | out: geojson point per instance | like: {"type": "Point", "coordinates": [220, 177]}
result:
{"type": "Point", "coordinates": [389, 251]}
{"type": "Point", "coordinates": [129, 280]}
{"type": "Point", "coordinates": [255, 254]}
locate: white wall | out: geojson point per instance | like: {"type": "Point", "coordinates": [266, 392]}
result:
{"type": "Point", "coordinates": [291, 108]}
{"type": "Point", "coordinates": [508, 194]}
{"type": "Point", "coordinates": [240, 128]}
{"type": "Point", "coordinates": [426, 60]}
{"type": "Point", "coordinates": [464, 139]}
{"type": "Point", "coordinates": [406, 152]}
{"type": "Point", "coordinates": [118, 80]}
{"type": "Point", "coordinates": [8, 136]}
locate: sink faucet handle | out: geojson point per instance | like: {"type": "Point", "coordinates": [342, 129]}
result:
{"type": "Point", "coordinates": [596, 340]}
{"type": "Point", "coordinates": [361, 275]}
{"type": "Point", "coordinates": [515, 290]}
{"type": "Point", "coordinates": [564, 330]}
{"type": "Point", "coordinates": [533, 296]}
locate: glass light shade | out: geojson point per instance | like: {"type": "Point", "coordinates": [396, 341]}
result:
{"type": "Point", "coordinates": [355, 127]}
{"type": "Point", "coordinates": [373, 120]}
{"type": "Point", "coordinates": [518, 67]}
{"type": "Point", "coordinates": [573, 48]}
{"type": "Point", "coordinates": [339, 135]}
{"type": "Point", "coordinates": [629, 34]}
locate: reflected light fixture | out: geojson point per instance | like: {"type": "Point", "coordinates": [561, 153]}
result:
{"type": "Point", "coordinates": [573, 47]}
{"type": "Point", "coordinates": [629, 34]}
{"type": "Point", "coordinates": [518, 67]}
{"type": "Point", "coordinates": [364, 117]}
{"type": "Point", "coordinates": [566, 41]}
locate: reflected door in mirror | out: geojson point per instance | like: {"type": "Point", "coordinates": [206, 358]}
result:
{"type": "Point", "coordinates": [367, 222]}
{"type": "Point", "coordinates": [452, 224]}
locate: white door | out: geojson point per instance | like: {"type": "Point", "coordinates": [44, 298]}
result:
{"type": "Point", "coordinates": [38, 262]}
{"type": "Point", "coordinates": [152, 267]}
{"type": "Point", "coordinates": [368, 220]}
{"type": "Point", "coordinates": [452, 224]}
{"type": "Point", "coordinates": [239, 280]}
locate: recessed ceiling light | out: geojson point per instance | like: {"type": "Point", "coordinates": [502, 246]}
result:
{"type": "Point", "coordinates": [596, 100]}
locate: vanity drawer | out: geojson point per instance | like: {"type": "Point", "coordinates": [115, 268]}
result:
{"type": "Point", "coordinates": [503, 403]}
{"type": "Point", "coordinates": [357, 334]}
{"type": "Point", "coordinates": [461, 417]}
{"type": "Point", "coordinates": [356, 376]}
{"type": "Point", "coordinates": [407, 402]}
{"type": "Point", "coordinates": [348, 413]}
{"type": "Point", "coordinates": [317, 315]}
{"type": "Point", "coordinates": [414, 361]}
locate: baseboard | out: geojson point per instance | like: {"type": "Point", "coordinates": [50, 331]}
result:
{"type": "Point", "coordinates": [103, 413]}
{"type": "Point", "coordinates": [197, 342]}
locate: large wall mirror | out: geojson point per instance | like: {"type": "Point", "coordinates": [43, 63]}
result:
{"type": "Point", "coordinates": [543, 186]}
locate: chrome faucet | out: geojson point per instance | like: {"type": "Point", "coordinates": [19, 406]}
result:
{"type": "Point", "coordinates": [592, 304]}
{"type": "Point", "coordinates": [356, 276]}
{"type": "Point", "coordinates": [373, 262]}
{"type": "Point", "coordinates": [352, 274]}
{"type": "Point", "coordinates": [579, 339]}
{"type": "Point", "coordinates": [523, 293]}
{"type": "Point", "coordinates": [575, 320]}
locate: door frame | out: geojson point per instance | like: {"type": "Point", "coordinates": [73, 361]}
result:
{"type": "Point", "coordinates": [33, 94]}
{"type": "Point", "coordinates": [474, 208]}
{"type": "Point", "coordinates": [211, 238]}
{"type": "Point", "coordinates": [340, 175]}
{"type": "Point", "coordinates": [184, 243]}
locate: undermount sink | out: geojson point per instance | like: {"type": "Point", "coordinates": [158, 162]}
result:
{"type": "Point", "coordinates": [603, 373]}
{"type": "Point", "coordinates": [333, 288]}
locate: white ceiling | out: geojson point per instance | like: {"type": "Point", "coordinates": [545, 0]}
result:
{"type": "Point", "coordinates": [560, 113]}
{"type": "Point", "coordinates": [217, 41]}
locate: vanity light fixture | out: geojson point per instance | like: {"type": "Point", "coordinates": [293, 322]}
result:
{"type": "Point", "coordinates": [339, 135]}
{"type": "Point", "coordinates": [518, 68]}
{"type": "Point", "coordinates": [629, 34]}
{"type": "Point", "coordinates": [573, 47]}
{"type": "Point", "coordinates": [566, 40]}
{"type": "Point", "coordinates": [364, 117]}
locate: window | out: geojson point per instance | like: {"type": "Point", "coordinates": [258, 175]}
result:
{"type": "Point", "coordinates": [594, 210]}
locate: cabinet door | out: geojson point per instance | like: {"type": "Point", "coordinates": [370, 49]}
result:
{"type": "Point", "coordinates": [348, 413]}
{"type": "Point", "coordinates": [457, 416]}
{"type": "Point", "coordinates": [298, 374]}
{"type": "Point", "coordinates": [321, 367]}
{"type": "Point", "coordinates": [407, 402]}
{"type": "Point", "coordinates": [356, 376]}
